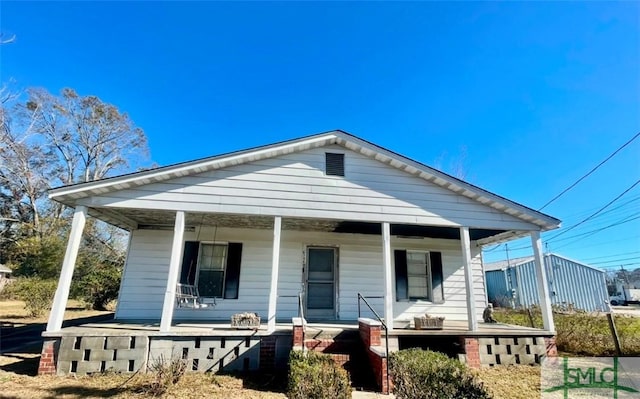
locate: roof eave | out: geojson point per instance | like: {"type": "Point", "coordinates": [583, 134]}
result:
{"type": "Point", "coordinates": [69, 194]}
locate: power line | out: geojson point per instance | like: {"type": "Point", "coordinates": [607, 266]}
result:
{"type": "Point", "coordinates": [599, 229]}
{"type": "Point", "coordinates": [608, 256]}
{"type": "Point", "coordinates": [590, 172]}
{"type": "Point", "coordinates": [616, 260]}
{"type": "Point", "coordinates": [597, 212]}
{"type": "Point", "coordinates": [587, 233]}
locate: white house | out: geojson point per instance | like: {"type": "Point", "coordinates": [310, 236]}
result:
{"type": "Point", "coordinates": [327, 217]}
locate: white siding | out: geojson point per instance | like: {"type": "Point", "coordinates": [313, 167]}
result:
{"type": "Point", "coordinates": [144, 280]}
{"type": "Point", "coordinates": [295, 185]}
{"type": "Point", "coordinates": [359, 270]}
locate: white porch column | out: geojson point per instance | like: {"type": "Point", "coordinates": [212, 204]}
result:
{"type": "Point", "coordinates": [174, 270]}
{"type": "Point", "coordinates": [465, 241]}
{"type": "Point", "coordinates": [541, 279]}
{"type": "Point", "coordinates": [388, 290]}
{"type": "Point", "coordinates": [68, 264]}
{"type": "Point", "coordinates": [273, 292]}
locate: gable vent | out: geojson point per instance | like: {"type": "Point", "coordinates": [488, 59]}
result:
{"type": "Point", "coordinates": [334, 164]}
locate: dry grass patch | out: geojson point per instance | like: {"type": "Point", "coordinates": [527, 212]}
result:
{"type": "Point", "coordinates": [511, 382]}
{"type": "Point", "coordinates": [123, 386]}
{"type": "Point", "coordinates": [582, 334]}
{"type": "Point", "coordinates": [14, 312]}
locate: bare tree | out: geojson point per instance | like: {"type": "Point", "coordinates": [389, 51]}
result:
{"type": "Point", "coordinates": [24, 163]}
{"type": "Point", "coordinates": [457, 165]}
{"type": "Point", "coordinates": [91, 138]}
{"type": "Point", "coordinates": [51, 140]}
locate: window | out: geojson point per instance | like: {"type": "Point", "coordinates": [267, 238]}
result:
{"type": "Point", "coordinates": [211, 267]}
{"type": "Point", "coordinates": [419, 276]}
{"type": "Point", "coordinates": [214, 268]}
{"type": "Point", "coordinates": [334, 164]}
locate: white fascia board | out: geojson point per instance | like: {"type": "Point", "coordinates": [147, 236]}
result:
{"type": "Point", "coordinates": [184, 169]}
{"type": "Point", "coordinates": [456, 185]}
{"type": "Point", "coordinates": [68, 194]}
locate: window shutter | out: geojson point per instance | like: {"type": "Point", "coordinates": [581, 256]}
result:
{"type": "Point", "coordinates": [437, 286]}
{"type": "Point", "coordinates": [189, 262]}
{"type": "Point", "coordinates": [232, 275]}
{"type": "Point", "coordinates": [402, 283]}
{"type": "Point", "coordinates": [334, 164]}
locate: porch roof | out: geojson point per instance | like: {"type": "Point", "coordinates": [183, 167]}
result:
{"type": "Point", "coordinates": [69, 195]}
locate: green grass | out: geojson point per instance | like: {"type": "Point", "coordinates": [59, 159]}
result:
{"type": "Point", "coordinates": [582, 334]}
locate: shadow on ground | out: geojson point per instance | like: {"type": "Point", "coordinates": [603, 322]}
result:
{"type": "Point", "coordinates": [26, 363]}
{"type": "Point", "coordinates": [80, 391]}
{"type": "Point", "coordinates": [266, 382]}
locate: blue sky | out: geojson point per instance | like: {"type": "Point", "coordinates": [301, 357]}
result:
{"type": "Point", "coordinates": [537, 93]}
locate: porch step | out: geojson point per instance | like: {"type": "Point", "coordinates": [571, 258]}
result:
{"type": "Point", "coordinates": [338, 334]}
{"type": "Point", "coordinates": [347, 350]}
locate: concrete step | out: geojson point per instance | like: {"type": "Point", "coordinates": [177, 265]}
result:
{"type": "Point", "coordinates": [332, 333]}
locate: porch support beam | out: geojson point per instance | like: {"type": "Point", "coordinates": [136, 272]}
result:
{"type": "Point", "coordinates": [68, 264]}
{"type": "Point", "coordinates": [388, 290]}
{"type": "Point", "coordinates": [174, 270]}
{"type": "Point", "coordinates": [541, 279]}
{"type": "Point", "coordinates": [465, 242]}
{"type": "Point", "coordinates": [273, 292]}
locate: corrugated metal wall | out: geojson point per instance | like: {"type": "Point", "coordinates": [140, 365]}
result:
{"type": "Point", "coordinates": [497, 290]}
{"type": "Point", "coordinates": [569, 283]}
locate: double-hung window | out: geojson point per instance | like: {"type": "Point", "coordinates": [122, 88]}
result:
{"type": "Point", "coordinates": [211, 269]}
{"type": "Point", "coordinates": [419, 276]}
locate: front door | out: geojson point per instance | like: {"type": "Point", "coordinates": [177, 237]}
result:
{"type": "Point", "coordinates": [321, 283]}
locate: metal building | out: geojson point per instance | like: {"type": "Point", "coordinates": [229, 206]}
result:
{"type": "Point", "coordinates": [571, 284]}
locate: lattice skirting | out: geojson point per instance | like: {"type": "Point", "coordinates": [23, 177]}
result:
{"type": "Point", "coordinates": [92, 354]}
{"type": "Point", "coordinates": [511, 350]}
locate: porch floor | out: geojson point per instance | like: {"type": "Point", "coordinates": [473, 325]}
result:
{"type": "Point", "coordinates": [221, 328]}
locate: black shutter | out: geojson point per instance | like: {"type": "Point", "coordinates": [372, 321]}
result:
{"type": "Point", "coordinates": [402, 283]}
{"type": "Point", "coordinates": [189, 262]}
{"type": "Point", "coordinates": [232, 275]}
{"type": "Point", "coordinates": [437, 287]}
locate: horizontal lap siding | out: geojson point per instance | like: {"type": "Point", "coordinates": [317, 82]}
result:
{"type": "Point", "coordinates": [455, 304]}
{"type": "Point", "coordinates": [295, 185]}
{"type": "Point", "coordinates": [255, 275]}
{"type": "Point", "coordinates": [360, 270]}
{"type": "Point", "coordinates": [144, 280]}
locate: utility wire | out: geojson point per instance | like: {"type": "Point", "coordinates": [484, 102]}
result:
{"type": "Point", "coordinates": [608, 256]}
{"type": "Point", "coordinates": [590, 172]}
{"type": "Point", "coordinates": [615, 260]}
{"type": "Point", "coordinates": [595, 213]}
{"type": "Point", "coordinates": [590, 232]}
{"type": "Point", "coordinates": [628, 219]}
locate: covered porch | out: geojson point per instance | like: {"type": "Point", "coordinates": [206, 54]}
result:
{"type": "Point", "coordinates": [287, 291]}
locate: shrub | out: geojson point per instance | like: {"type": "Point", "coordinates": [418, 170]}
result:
{"type": "Point", "coordinates": [36, 293]}
{"type": "Point", "coordinates": [97, 285]}
{"type": "Point", "coordinates": [166, 373]}
{"type": "Point", "coordinates": [316, 376]}
{"type": "Point", "coordinates": [423, 374]}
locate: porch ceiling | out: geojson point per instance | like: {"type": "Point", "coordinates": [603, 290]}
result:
{"type": "Point", "coordinates": [158, 219]}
